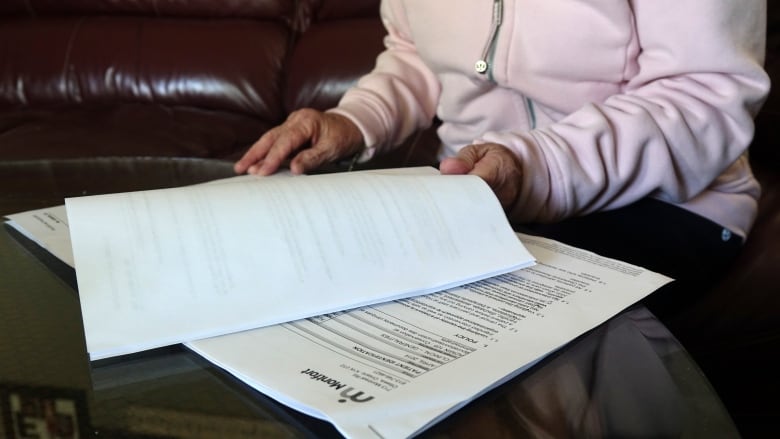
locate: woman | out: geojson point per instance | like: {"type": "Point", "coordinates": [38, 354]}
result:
{"type": "Point", "coordinates": [620, 125]}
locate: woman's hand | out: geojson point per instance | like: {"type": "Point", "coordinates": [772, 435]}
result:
{"type": "Point", "coordinates": [494, 163]}
{"type": "Point", "coordinates": [329, 137]}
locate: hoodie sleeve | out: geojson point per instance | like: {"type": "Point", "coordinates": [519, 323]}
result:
{"type": "Point", "coordinates": [683, 117]}
{"type": "Point", "coordinates": [399, 96]}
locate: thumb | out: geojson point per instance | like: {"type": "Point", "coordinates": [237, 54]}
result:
{"type": "Point", "coordinates": [463, 163]}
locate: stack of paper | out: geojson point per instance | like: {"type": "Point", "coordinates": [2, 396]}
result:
{"type": "Point", "coordinates": [346, 266]}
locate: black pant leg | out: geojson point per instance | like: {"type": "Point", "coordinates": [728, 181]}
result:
{"type": "Point", "coordinates": [660, 237]}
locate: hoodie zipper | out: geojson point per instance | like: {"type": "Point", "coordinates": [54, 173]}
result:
{"type": "Point", "coordinates": [485, 64]}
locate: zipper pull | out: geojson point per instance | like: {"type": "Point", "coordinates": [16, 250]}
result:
{"type": "Point", "coordinates": [481, 66]}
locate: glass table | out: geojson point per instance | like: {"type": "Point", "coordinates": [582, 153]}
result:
{"type": "Point", "coordinates": [627, 378]}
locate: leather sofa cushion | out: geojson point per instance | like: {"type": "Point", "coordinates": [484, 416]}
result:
{"type": "Point", "coordinates": [126, 129]}
{"type": "Point", "coordinates": [328, 60]}
{"type": "Point", "coordinates": [230, 65]}
{"type": "Point", "coordinates": [258, 9]}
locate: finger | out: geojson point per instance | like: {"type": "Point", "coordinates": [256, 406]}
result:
{"type": "Point", "coordinates": [465, 161]}
{"type": "Point", "coordinates": [454, 166]}
{"type": "Point", "coordinates": [488, 166]}
{"type": "Point", "coordinates": [274, 147]}
{"type": "Point", "coordinates": [500, 170]}
{"type": "Point", "coordinates": [311, 158]}
{"type": "Point", "coordinates": [324, 151]}
{"type": "Point", "coordinates": [302, 126]}
{"type": "Point", "coordinates": [494, 164]}
{"type": "Point", "coordinates": [282, 148]}
{"type": "Point", "coordinates": [256, 152]}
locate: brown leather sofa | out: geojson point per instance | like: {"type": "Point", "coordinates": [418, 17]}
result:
{"type": "Point", "coordinates": [202, 78]}
{"type": "Point", "coordinates": [194, 78]}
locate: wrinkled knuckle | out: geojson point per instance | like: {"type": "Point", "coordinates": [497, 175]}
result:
{"type": "Point", "coordinates": [304, 114]}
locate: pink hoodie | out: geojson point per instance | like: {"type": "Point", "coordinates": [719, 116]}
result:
{"type": "Point", "coordinates": [604, 101]}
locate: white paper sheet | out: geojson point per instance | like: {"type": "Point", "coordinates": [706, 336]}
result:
{"type": "Point", "coordinates": [392, 370]}
{"type": "Point", "coordinates": [46, 227]}
{"type": "Point", "coordinates": [161, 267]}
